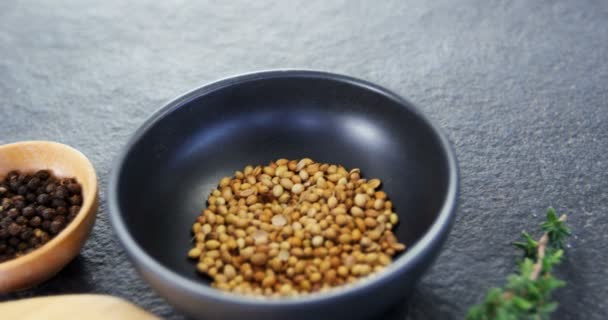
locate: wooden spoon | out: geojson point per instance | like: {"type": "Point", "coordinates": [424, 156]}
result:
{"type": "Point", "coordinates": [64, 161]}
{"type": "Point", "coordinates": [75, 306]}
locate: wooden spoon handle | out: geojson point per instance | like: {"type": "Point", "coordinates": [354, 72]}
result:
{"type": "Point", "coordinates": [76, 306]}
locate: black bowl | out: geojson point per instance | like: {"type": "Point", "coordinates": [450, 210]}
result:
{"type": "Point", "coordinates": [161, 179]}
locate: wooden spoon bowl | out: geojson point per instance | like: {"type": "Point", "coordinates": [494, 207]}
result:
{"type": "Point", "coordinates": [63, 161]}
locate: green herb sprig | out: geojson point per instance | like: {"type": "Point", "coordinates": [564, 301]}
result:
{"type": "Point", "coordinates": [527, 293]}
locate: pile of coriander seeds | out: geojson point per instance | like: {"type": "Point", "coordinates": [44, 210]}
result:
{"type": "Point", "coordinates": [33, 209]}
{"type": "Point", "coordinates": [292, 228]}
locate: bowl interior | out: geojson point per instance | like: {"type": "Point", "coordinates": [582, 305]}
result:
{"type": "Point", "coordinates": [180, 155]}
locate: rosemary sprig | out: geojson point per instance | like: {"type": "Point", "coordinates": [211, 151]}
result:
{"type": "Point", "coordinates": [527, 293]}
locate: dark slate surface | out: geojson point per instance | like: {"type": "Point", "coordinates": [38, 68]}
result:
{"type": "Point", "coordinates": [519, 87]}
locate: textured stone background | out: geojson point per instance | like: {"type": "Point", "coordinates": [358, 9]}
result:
{"type": "Point", "coordinates": [519, 86]}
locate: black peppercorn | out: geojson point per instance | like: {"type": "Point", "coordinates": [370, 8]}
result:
{"type": "Point", "coordinates": [61, 210]}
{"type": "Point", "coordinates": [34, 241]}
{"type": "Point", "coordinates": [12, 213]}
{"type": "Point", "coordinates": [19, 202]}
{"type": "Point", "coordinates": [45, 237]}
{"type": "Point", "coordinates": [74, 188]}
{"type": "Point", "coordinates": [39, 209]}
{"type": "Point", "coordinates": [21, 220]}
{"type": "Point", "coordinates": [42, 174]}
{"type": "Point", "coordinates": [35, 221]}
{"type": "Point", "coordinates": [61, 219]}
{"type": "Point", "coordinates": [22, 190]}
{"type": "Point", "coordinates": [14, 229]}
{"type": "Point", "coordinates": [28, 211]}
{"type": "Point", "coordinates": [34, 183]}
{"type": "Point", "coordinates": [50, 188]}
{"type": "Point", "coordinates": [46, 225]}
{"type": "Point", "coordinates": [26, 233]}
{"type": "Point", "coordinates": [23, 178]}
{"type": "Point", "coordinates": [43, 198]}
{"type": "Point", "coordinates": [14, 184]}
{"type": "Point", "coordinates": [76, 200]}
{"type": "Point", "coordinates": [5, 222]}
{"type": "Point", "coordinates": [56, 226]}
{"type": "Point", "coordinates": [73, 212]}
{"type": "Point", "coordinates": [48, 213]}
{"type": "Point", "coordinates": [61, 192]}
{"type": "Point", "coordinates": [30, 197]}
{"type": "Point", "coordinates": [56, 203]}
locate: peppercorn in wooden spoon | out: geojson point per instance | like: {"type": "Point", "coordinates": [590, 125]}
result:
{"type": "Point", "coordinates": [49, 199]}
